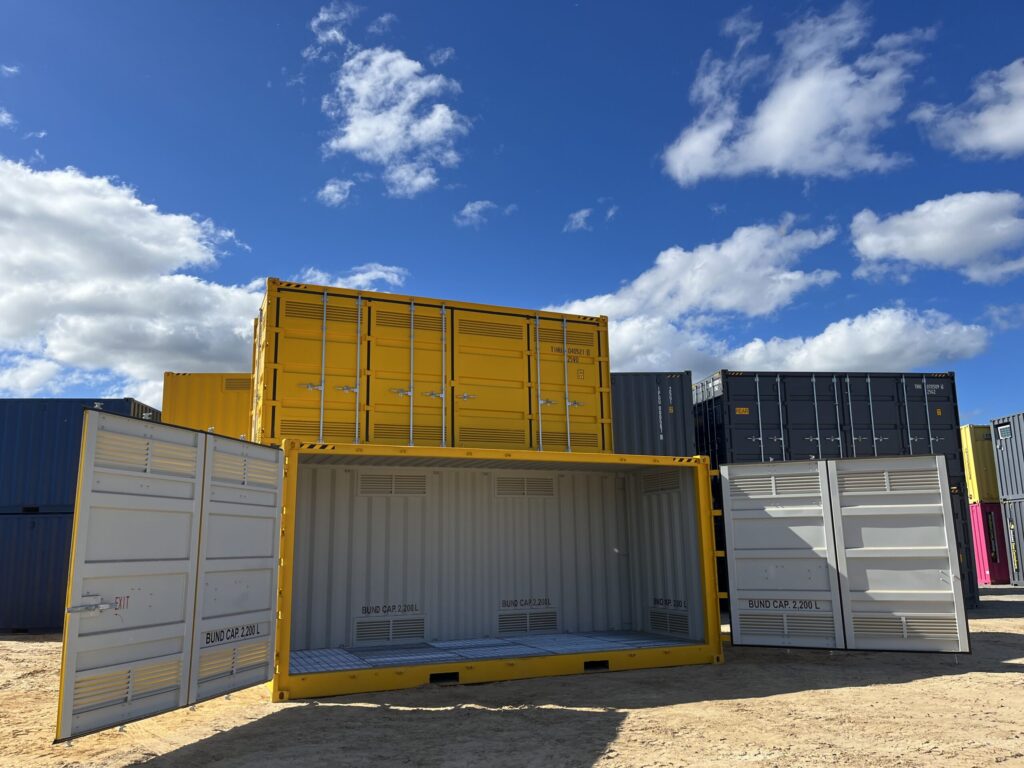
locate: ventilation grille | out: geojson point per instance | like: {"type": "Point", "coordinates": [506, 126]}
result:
{"type": "Point", "coordinates": [301, 310]}
{"type": "Point", "coordinates": [334, 431]}
{"type": "Point", "coordinates": [579, 439]}
{"type": "Point", "coordinates": [767, 486]}
{"type": "Point", "coordinates": [574, 338]}
{"type": "Point", "coordinates": [939, 628]}
{"type": "Point", "coordinates": [524, 486]}
{"type": "Point", "coordinates": [398, 630]}
{"type": "Point", "coordinates": [223, 662]}
{"type": "Point", "coordinates": [669, 622]}
{"type": "Point", "coordinates": [507, 437]}
{"type": "Point", "coordinates": [884, 481]}
{"type": "Point", "coordinates": [421, 435]}
{"type": "Point", "coordinates": [237, 384]}
{"type": "Point", "coordinates": [244, 470]}
{"type": "Point", "coordinates": [392, 485]}
{"type": "Point", "coordinates": [118, 687]}
{"type": "Point", "coordinates": [771, 624]}
{"type": "Point", "coordinates": [138, 454]}
{"type": "Point", "coordinates": [797, 625]}
{"type": "Point", "coordinates": [654, 482]}
{"type": "Point", "coordinates": [423, 322]}
{"type": "Point", "coordinates": [496, 330]}
{"type": "Point", "coordinates": [527, 622]}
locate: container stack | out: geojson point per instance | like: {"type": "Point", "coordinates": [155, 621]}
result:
{"type": "Point", "coordinates": [40, 440]}
{"type": "Point", "coordinates": [987, 529]}
{"type": "Point", "coordinates": [1008, 441]}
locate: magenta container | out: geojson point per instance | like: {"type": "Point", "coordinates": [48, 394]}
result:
{"type": "Point", "coordinates": [990, 556]}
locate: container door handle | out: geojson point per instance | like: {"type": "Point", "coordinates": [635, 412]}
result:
{"type": "Point", "coordinates": [402, 392]}
{"type": "Point", "coordinates": [94, 604]}
{"type": "Point", "coordinates": [547, 402]}
{"type": "Point", "coordinates": [347, 388]}
{"type": "Point", "coordinates": [573, 403]}
{"type": "Point", "coordinates": [466, 396]}
{"type": "Point", "coordinates": [310, 385]}
{"type": "Point", "coordinates": [433, 394]}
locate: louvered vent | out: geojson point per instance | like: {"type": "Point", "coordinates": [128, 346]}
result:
{"type": "Point", "coordinates": [797, 485]}
{"type": "Point", "coordinates": [524, 486]}
{"type": "Point", "coordinates": [505, 437]}
{"type": "Point", "coordinates": [137, 454]}
{"type": "Point", "coordinates": [574, 338]}
{"type": "Point", "coordinates": [427, 320]}
{"type": "Point", "coordinates": [236, 384]}
{"type": "Point", "coordinates": [914, 480]}
{"type": "Point", "coordinates": [768, 486]}
{"type": "Point", "coordinates": [942, 628]}
{"type": "Point", "coordinates": [513, 623]}
{"type": "Point", "coordinates": [580, 439]}
{"type": "Point", "coordinates": [399, 630]}
{"type": "Point", "coordinates": [527, 622]}
{"type": "Point", "coordinates": [497, 330]}
{"type": "Point", "coordinates": [655, 482]}
{"type": "Point", "coordinates": [669, 622]}
{"type": "Point", "coordinates": [222, 662]}
{"type": "Point", "coordinates": [863, 482]}
{"type": "Point", "coordinates": [110, 688]}
{"type": "Point", "coordinates": [818, 625]}
{"type": "Point", "coordinates": [543, 621]}
{"type": "Point", "coordinates": [771, 624]}
{"type": "Point", "coordinates": [334, 431]}
{"type": "Point", "coordinates": [373, 484]}
{"type": "Point", "coordinates": [301, 310]}
{"type": "Point", "coordinates": [751, 487]}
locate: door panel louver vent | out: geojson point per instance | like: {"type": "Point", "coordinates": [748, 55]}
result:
{"type": "Point", "coordinates": [421, 435]}
{"type": "Point", "coordinates": [236, 384]}
{"type": "Point", "coordinates": [527, 622]}
{"type": "Point", "coordinates": [513, 623]}
{"type": "Point", "coordinates": [371, 484]}
{"type": "Point", "coordinates": [771, 624]}
{"type": "Point", "coordinates": [751, 487]}
{"type": "Point", "coordinates": [137, 454]}
{"type": "Point", "coordinates": [669, 622]}
{"type": "Point", "coordinates": [497, 330]}
{"type": "Point", "coordinates": [543, 621]}
{"type": "Point", "coordinates": [654, 482]}
{"type": "Point", "coordinates": [302, 310]}
{"type": "Point", "coordinates": [579, 439]}
{"type": "Point", "coordinates": [890, 480]}
{"type": "Point", "coordinates": [862, 482]}
{"type": "Point", "coordinates": [524, 486]}
{"type": "Point", "coordinates": [469, 435]}
{"type": "Point", "coordinates": [797, 485]}
{"type": "Point", "coordinates": [914, 480]}
{"type": "Point", "coordinates": [334, 432]}
{"type": "Point", "coordinates": [810, 625]}
{"type": "Point", "coordinates": [110, 688]}
{"type": "Point", "coordinates": [423, 322]}
{"type": "Point", "coordinates": [384, 631]}
{"type": "Point", "coordinates": [783, 485]}
{"type": "Point", "coordinates": [222, 662]}
{"type": "Point", "coordinates": [575, 338]}
{"type": "Point", "coordinates": [906, 627]}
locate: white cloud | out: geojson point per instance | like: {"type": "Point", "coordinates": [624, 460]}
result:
{"type": "Point", "coordinates": [9, 70]}
{"type": "Point", "coordinates": [440, 56]}
{"type": "Point", "coordinates": [510, 209]}
{"type": "Point", "coordinates": [473, 214]}
{"type": "Point", "coordinates": [382, 24]}
{"type": "Point", "coordinates": [387, 112]}
{"type": "Point", "coordinates": [979, 234]}
{"type": "Point", "coordinates": [889, 339]}
{"type": "Point", "coordinates": [6, 119]}
{"type": "Point", "coordinates": [1006, 317]}
{"type": "Point", "coordinates": [98, 286]}
{"type": "Point", "coordinates": [578, 220]}
{"type": "Point", "coordinates": [823, 111]}
{"type": "Point", "coordinates": [363, 277]}
{"type": "Point", "coordinates": [611, 213]}
{"type": "Point", "coordinates": [35, 135]}
{"type": "Point", "coordinates": [328, 27]}
{"type": "Point", "coordinates": [990, 122]}
{"type": "Point", "coordinates": [335, 192]}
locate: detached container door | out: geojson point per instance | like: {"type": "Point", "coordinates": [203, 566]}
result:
{"type": "Point", "coordinates": [147, 510]}
{"type": "Point", "coordinates": [896, 551]}
{"type": "Point", "coordinates": [784, 588]}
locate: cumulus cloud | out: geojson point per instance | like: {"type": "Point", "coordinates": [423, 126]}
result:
{"type": "Point", "coordinates": [9, 70]}
{"type": "Point", "coordinates": [335, 192]}
{"type": "Point", "coordinates": [382, 24]}
{"type": "Point", "coordinates": [440, 56]}
{"type": "Point", "coordinates": [387, 111]}
{"type": "Point", "coordinates": [990, 122]}
{"type": "Point", "coordinates": [364, 277]}
{"type": "Point", "coordinates": [105, 287]}
{"type": "Point", "coordinates": [578, 220]}
{"type": "Point", "coordinates": [328, 27]}
{"type": "Point", "coordinates": [6, 119]}
{"type": "Point", "coordinates": [1006, 317]}
{"type": "Point", "coordinates": [979, 234]}
{"type": "Point", "coordinates": [474, 213]}
{"type": "Point", "coordinates": [829, 97]}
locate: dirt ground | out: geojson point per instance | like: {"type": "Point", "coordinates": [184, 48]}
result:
{"type": "Point", "coordinates": [763, 707]}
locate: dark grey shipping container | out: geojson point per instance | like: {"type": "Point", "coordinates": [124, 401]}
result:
{"type": "Point", "coordinates": [34, 555]}
{"type": "Point", "coordinates": [652, 413]}
{"type": "Point", "coordinates": [40, 439]}
{"type": "Point", "coordinates": [1013, 514]}
{"type": "Point", "coordinates": [745, 417]}
{"type": "Point", "coordinates": [1008, 443]}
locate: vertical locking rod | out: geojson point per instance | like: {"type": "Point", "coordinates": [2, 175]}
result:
{"type": "Point", "coordinates": [565, 368]}
{"type": "Point", "coordinates": [359, 358]}
{"type": "Point", "coordinates": [540, 407]}
{"type": "Point", "coordinates": [760, 428]}
{"type": "Point", "coordinates": [871, 411]}
{"type": "Point", "coordinates": [444, 375]}
{"type": "Point", "coordinates": [906, 410]}
{"type": "Point", "coordinates": [853, 429]}
{"type": "Point", "coordinates": [323, 364]}
{"type": "Point", "coordinates": [412, 364]}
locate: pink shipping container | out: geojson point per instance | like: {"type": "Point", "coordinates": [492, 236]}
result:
{"type": "Point", "coordinates": [989, 544]}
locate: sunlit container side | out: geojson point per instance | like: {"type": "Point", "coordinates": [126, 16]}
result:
{"type": "Point", "coordinates": [40, 439]}
{"type": "Point", "coordinates": [979, 464]}
{"type": "Point", "coordinates": [340, 366]}
{"type": "Point", "coordinates": [652, 413]}
{"type": "Point", "coordinates": [1008, 442]}
{"type": "Point", "coordinates": [34, 571]}
{"type": "Point", "coordinates": [404, 566]}
{"type": "Point", "coordinates": [211, 402]}
{"type": "Point", "coordinates": [991, 556]}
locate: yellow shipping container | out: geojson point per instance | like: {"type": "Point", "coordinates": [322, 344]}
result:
{"type": "Point", "coordinates": [339, 366]}
{"type": "Point", "coordinates": [210, 402]}
{"type": "Point", "coordinates": [979, 464]}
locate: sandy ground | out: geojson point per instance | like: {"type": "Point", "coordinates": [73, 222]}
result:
{"type": "Point", "coordinates": [763, 707]}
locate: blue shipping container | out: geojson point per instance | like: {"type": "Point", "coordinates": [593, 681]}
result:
{"type": "Point", "coordinates": [34, 554]}
{"type": "Point", "coordinates": [40, 440]}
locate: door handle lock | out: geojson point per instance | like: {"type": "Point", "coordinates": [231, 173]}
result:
{"type": "Point", "coordinates": [547, 402]}
{"type": "Point", "coordinates": [434, 394]}
{"type": "Point", "coordinates": [347, 388]}
{"type": "Point", "coordinates": [402, 392]}
{"type": "Point", "coordinates": [466, 396]}
{"type": "Point", "coordinates": [93, 604]}
{"type": "Point", "coordinates": [573, 403]}
{"type": "Point", "coordinates": [310, 385]}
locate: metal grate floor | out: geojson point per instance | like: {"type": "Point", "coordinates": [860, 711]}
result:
{"type": "Point", "coordinates": [338, 659]}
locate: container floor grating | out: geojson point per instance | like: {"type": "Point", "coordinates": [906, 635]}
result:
{"type": "Point", "coordinates": [337, 659]}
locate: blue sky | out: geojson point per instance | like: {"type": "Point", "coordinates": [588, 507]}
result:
{"type": "Point", "coordinates": [815, 185]}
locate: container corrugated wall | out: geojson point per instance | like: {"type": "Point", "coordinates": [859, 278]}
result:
{"type": "Point", "coordinates": [1013, 518]}
{"type": "Point", "coordinates": [40, 440]}
{"type": "Point", "coordinates": [340, 366]}
{"type": "Point", "coordinates": [652, 413]}
{"type": "Point", "coordinates": [1008, 442]}
{"type": "Point", "coordinates": [991, 557]}
{"type": "Point", "coordinates": [747, 416]}
{"type": "Point", "coordinates": [34, 553]}
{"type": "Point", "coordinates": [979, 464]}
{"type": "Point", "coordinates": [210, 402]}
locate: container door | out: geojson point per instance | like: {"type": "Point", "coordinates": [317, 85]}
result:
{"type": "Point", "coordinates": [491, 380]}
{"type": "Point", "coordinates": [896, 551]}
{"type": "Point", "coordinates": [783, 583]}
{"type": "Point", "coordinates": [173, 569]}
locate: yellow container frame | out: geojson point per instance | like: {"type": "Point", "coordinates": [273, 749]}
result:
{"type": "Point", "coordinates": [287, 686]}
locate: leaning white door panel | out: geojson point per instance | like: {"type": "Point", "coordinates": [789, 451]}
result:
{"type": "Point", "coordinates": [782, 571]}
{"type": "Point", "coordinates": [236, 610]}
{"type": "Point", "coordinates": [147, 507]}
{"type": "Point", "coordinates": [128, 629]}
{"type": "Point", "coordinates": [899, 572]}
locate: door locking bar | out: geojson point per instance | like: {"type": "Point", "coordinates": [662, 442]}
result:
{"type": "Point", "coordinates": [95, 604]}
